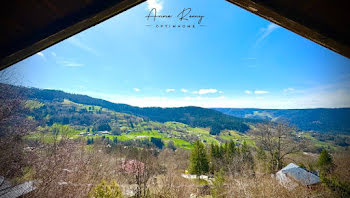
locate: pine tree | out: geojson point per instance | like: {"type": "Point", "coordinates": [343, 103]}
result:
{"type": "Point", "coordinates": [198, 160]}
{"type": "Point", "coordinates": [325, 163]}
{"type": "Point", "coordinates": [231, 149]}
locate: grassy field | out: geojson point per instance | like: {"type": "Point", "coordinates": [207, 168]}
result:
{"type": "Point", "coordinates": [318, 143]}
{"type": "Point", "coordinates": [179, 133]}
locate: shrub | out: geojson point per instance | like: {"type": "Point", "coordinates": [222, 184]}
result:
{"type": "Point", "coordinates": [106, 190]}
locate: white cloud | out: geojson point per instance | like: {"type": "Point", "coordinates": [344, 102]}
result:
{"type": "Point", "coordinates": [261, 92]}
{"type": "Point", "coordinates": [267, 31]}
{"type": "Point", "coordinates": [205, 91]}
{"type": "Point", "coordinates": [184, 90]}
{"type": "Point", "coordinates": [136, 89]}
{"type": "Point", "coordinates": [221, 92]}
{"type": "Point", "coordinates": [317, 97]}
{"type": "Point", "coordinates": [288, 90]}
{"type": "Point", "coordinates": [78, 43]}
{"type": "Point", "coordinates": [170, 90]}
{"type": "Point", "coordinates": [40, 54]}
{"type": "Point", "coordinates": [334, 95]}
{"type": "Point", "coordinates": [248, 92]}
{"type": "Point", "coordinates": [53, 54]}
{"type": "Point", "coordinates": [250, 58]}
{"type": "Point", "coordinates": [71, 64]}
{"type": "Point", "coordinates": [157, 4]}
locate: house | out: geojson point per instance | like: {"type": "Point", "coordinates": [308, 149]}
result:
{"type": "Point", "coordinates": [292, 175]}
{"type": "Point", "coordinates": [7, 190]}
{"type": "Point", "coordinates": [103, 133]}
{"type": "Point", "coordinates": [83, 133]}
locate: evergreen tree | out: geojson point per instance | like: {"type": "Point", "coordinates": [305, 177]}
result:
{"type": "Point", "coordinates": [215, 129]}
{"type": "Point", "coordinates": [131, 125]}
{"type": "Point", "coordinates": [157, 142]}
{"type": "Point", "coordinates": [231, 149]}
{"type": "Point", "coordinates": [89, 141]}
{"type": "Point", "coordinates": [214, 151]}
{"type": "Point", "coordinates": [325, 163]}
{"type": "Point", "coordinates": [198, 160]}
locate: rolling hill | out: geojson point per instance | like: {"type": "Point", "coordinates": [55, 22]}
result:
{"type": "Point", "coordinates": [193, 116]}
{"type": "Point", "coordinates": [327, 120]}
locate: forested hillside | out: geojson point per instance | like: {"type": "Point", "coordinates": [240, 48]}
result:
{"type": "Point", "coordinates": [335, 120]}
{"type": "Point", "coordinates": [193, 116]}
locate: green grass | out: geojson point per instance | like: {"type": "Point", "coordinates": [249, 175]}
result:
{"type": "Point", "coordinates": [46, 134]}
{"type": "Point", "coordinates": [236, 136]}
{"type": "Point", "coordinates": [180, 143]}
{"type": "Point", "coordinates": [318, 143]}
{"type": "Point", "coordinates": [33, 104]}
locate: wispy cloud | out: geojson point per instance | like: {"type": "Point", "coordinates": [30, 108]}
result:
{"type": "Point", "coordinates": [71, 64]}
{"type": "Point", "coordinates": [170, 90]}
{"type": "Point", "coordinates": [157, 4]}
{"type": "Point", "coordinates": [250, 58]}
{"type": "Point", "coordinates": [53, 54]}
{"type": "Point", "coordinates": [261, 92]}
{"type": "Point", "coordinates": [266, 32]}
{"type": "Point", "coordinates": [205, 91]}
{"type": "Point", "coordinates": [78, 43]}
{"type": "Point", "coordinates": [184, 90]}
{"type": "Point", "coordinates": [248, 92]}
{"type": "Point", "coordinates": [288, 90]}
{"type": "Point", "coordinates": [136, 89]}
{"type": "Point", "coordinates": [41, 54]}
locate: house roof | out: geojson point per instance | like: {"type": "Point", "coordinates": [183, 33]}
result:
{"type": "Point", "coordinates": [299, 174]}
{"type": "Point", "coordinates": [9, 191]}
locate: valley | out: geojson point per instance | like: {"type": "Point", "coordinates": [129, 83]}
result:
{"type": "Point", "coordinates": [85, 146]}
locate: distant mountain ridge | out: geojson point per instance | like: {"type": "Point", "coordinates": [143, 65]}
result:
{"type": "Point", "coordinates": [333, 120]}
{"type": "Point", "coordinates": [193, 116]}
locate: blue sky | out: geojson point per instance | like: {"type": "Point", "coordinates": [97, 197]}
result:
{"type": "Point", "coordinates": [235, 59]}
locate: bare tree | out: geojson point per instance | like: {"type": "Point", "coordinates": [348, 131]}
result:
{"type": "Point", "coordinates": [277, 140]}
{"type": "Point", "coordinates": [13, 125]}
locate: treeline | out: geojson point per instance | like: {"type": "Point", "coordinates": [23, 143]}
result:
{"type": "Point", "coordinates": [193, 116]}
{"type": "Point", "coordinates": [228, 157]}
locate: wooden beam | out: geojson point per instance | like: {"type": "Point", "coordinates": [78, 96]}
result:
{"type": "Point", "coordinates": [64, 28]}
